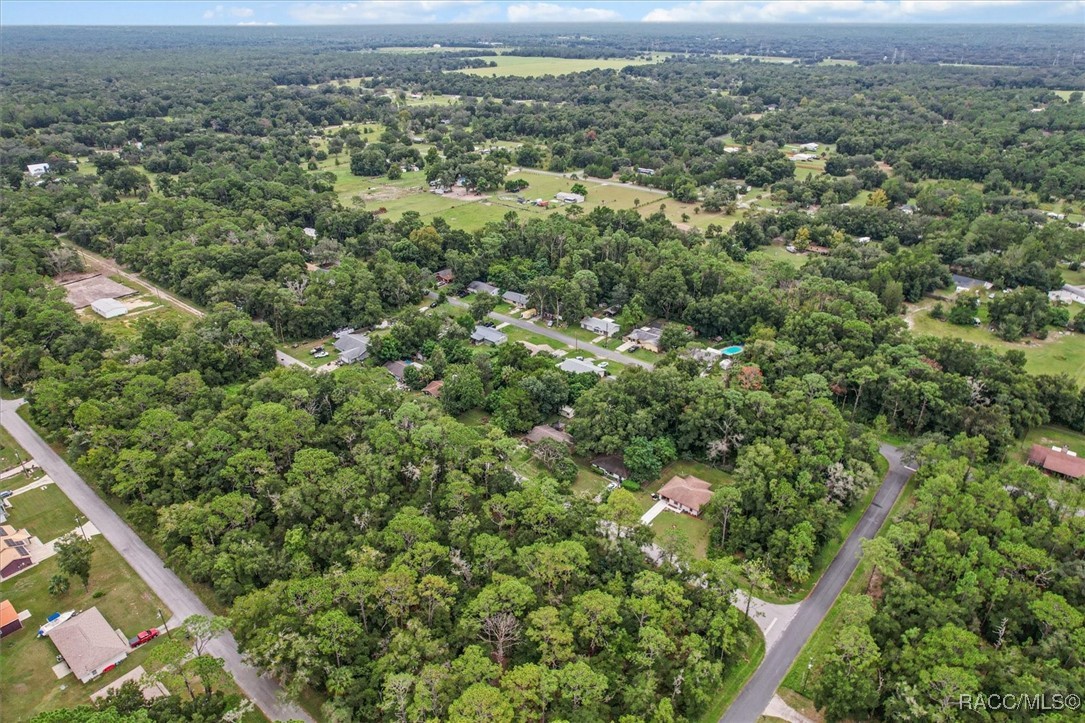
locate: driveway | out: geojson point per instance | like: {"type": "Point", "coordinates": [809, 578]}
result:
{"type": "Point", "coordinates": [264, 692]}
{"type": "Point", "coordinates": [759, 690]}
{"type": "Point", "coordinates": [647, 517]}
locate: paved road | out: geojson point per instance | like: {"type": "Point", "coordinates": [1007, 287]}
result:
{"type": "Point", "coordinates": [264, 692]}
{"type": "Point", "coordinates": [759, 690]}
{"type": "Point", "coordinates": [549, 333]}
{"type": "Point", "coordinates": [286, 360]}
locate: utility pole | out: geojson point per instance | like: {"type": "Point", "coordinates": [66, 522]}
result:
{"type": "Point", "coordinates": [164, 626]}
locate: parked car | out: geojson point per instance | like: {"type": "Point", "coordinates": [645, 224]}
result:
{"type": "Point", "coordinates": [612, 485]}
{"type": "Point", "coordinates": [435, 304]}
{"type": "Point", "coordinates": [320, 354]}
{"type": "Point", "coordinates": [603, 365]}
{"type": "Point", "coordinates": [655, 496]}
{"type": "Point", "coordinates": [6, 493]}
{"type": "Point", "coordinates": [144, 637]}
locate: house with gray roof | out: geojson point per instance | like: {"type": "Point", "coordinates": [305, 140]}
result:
{"type": "Point", "coordinates": [516, 298]}
{"type": "Point", "coordinates": [481, 287]}
{"type": "Point", "coordinates": [603, 327]}
{"type": "Point", "coordinates": [579, 366]}
{"type": "Point", "coordinates": [352, 347]}
{"type": "Point", "coordinates": [487, 335]}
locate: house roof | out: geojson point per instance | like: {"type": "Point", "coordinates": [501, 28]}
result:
{"type": "Point", "coordinates": [645, 333]}
{"type": "Point", "coordinates": [545, 431]}
{"type": "Point", "coordinates": [515, 297]}
{"type": "Point", "coordinates": [1059, 461]}
{"type": "Point", "coordinates": [396, 368]}
{"type": "Point", "coordinates": [576, 366]}
{"type": "Point", "coordinates": [613, 464]}
{"type": "Point", "coordinates": [691, 492]}
{"type": "Point", "coordinates": [482, 287]}
{"type": "Point", "coordinates": [485, 333]}
{"type": "Point", "coordinates": [966, 281]}
{"type": "Point", "coordinates": [352, 346]}
{"type": "Point", "coordinates": [446, 274]}
{"type": "Point", "coordinates": [108, 306]}
{"type": "Point", "coordinates": [87, 642]}
{"type": "Point", "coordinates": [602, 326]}
{"type": "Point", "coordinates": [7, 613]}
{"type": "Point", "coordinates": [433, 388]}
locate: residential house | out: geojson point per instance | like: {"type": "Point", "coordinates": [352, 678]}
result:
{"type": "Point", "coordinates": [108, 308]}
{"type": "Point", "coordinates": [487, 335]}
{"type": "Point", "coordinates": [646, 171]}
{"type": "Point", "coordinates": [433, 389]}
{"type": "Point", "coordinates": [9, 619]}
{"type": "Point", "coordinates": [800, 157]}
{"type": "Point", "coordinates": [611, 465]}
{"type": "Point", "coordinates": [1058, 461]}
{"type": "Point", "coordinates": [965, 283]}
{"type": "Point", "coordinates": [1068, 294]}
{"type": "Point", "coordinates": [37, 169]}
{"type": "Point", "coordinates": [352, 347]}
{"type": "Point", "coordinates": [603, 327]}
{"type": "Point", "coordinates": [566, 197]}
{"type": "Point", "coordinates": [809, 146]}
{"type": "Point", "coordinates": [686, 494]}
{"type": "Point", "coordinates": [646, 337]}
{"type": "Point", "coordinates": [516, 299]}
{"type": "Point", "coordinates": [396, 369]}
{"type": "Point", "coordinates": [89, 644]}
{"type": "Point", "coordinates": [14, 551]}
{"type": "Point", "coordinates": [731, 149]}
{"type": "Point", "coordinates": [481, 287]}
{"type": "Point", "coordinates": [444, 277]}
{"type": "Point", "coordinates": [579, 366]}
{"type": "Point", "coordinates": [545, 431]}
{"type": "Point", "coordinates": [705, 356]}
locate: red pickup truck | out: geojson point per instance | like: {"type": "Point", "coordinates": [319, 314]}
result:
{"type": "Point", "coordinates": [145, 637]}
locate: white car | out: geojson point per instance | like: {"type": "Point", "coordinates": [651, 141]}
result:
{"type": "Point", "coordinates": [603, 365]}
{"type": "Point", "coordinates": [320, 354]}
{"type": "Point", "coordinates": [612, 485]}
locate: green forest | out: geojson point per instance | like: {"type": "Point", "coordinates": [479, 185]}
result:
{"type": "Point", "coordinates": [892, 247]}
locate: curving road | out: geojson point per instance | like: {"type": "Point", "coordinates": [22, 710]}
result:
{"type": "Point", "coordinates": [549, 333]}
{"type": "Point", "coordinates": [264, 692]}
{"type": "Point", "coordinates": [760, 688]}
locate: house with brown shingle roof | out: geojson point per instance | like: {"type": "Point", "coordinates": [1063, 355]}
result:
{"type": "Point", "coordinates": [686, 494]}
{"type": "Point", "coordinates": [545, 431]}
{"type": "Point", "coordinates": [1057, 460]}
{"type": "Point", "coordinates": [433, 388]}
{"type": "Point", "coordinates": [89, 644]}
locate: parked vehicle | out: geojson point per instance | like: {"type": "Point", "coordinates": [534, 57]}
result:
{"type": "Point", "coordinates": [320, 354]}
{"type": "Point", "coordinates": [6, 493]}
{"type": "Point", "coordinates": [144, 637]}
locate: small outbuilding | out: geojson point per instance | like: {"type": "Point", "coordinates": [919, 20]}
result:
{"type": "Point", "coordinates": [89, 644]}
{"type": "Point", "coordinates": [37, 169]}
{"type": "Point", "coordinates": [567, 197]}
{"type": "Point", "coordinates": [108, 308]}
{"type": "Point", "coordinates": [433, 389]}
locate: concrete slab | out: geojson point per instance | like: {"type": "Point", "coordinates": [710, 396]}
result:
{"type": "Point", "coordinates": [778, 708]}
{"type": "Point", "coordinates": [86, 291]}
{"type": "Point", "coordinates": [24, 468]}
{"type": "Point", "coordinates": [61, 670]}
{"type": "Point", "coordinates": [24, 616]}
{"type": "Point", "coordinates": [40, 483]}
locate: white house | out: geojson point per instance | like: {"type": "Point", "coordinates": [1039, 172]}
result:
{"type": "Point", "coordinates": [731, 149]}
{"type": "Point", "coordinates": [567, 197]}
{"type": "Point", "coordinates": [803, 157]}
{"type": "Point", "coordinates": [1068, 294]}
{"type": "Point", "coordinates": [809, 146]}
{"type": "Point", "coordinates": [108, 308]}
{"type": "Point", "coordinates": [37, 169]}
{"type": "Point", "coordinates": [603, 327]}
{"type": "Point", "coordinates": [579, 366]}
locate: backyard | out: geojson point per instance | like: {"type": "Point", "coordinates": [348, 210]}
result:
{"type": "Point", "coordinates": [44, 511]}
{"type": "Point", "coordinates": [533, 67]}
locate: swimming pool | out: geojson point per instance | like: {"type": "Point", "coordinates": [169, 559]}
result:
{"type": "Point", "coordinates": [732, 350]}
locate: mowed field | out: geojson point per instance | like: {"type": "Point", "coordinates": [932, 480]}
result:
{"type": "Point", "coordinates": [533, 66]}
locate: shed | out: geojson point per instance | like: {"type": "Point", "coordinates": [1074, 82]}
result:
{"type": "Point", "coordinates": [108, 308]}
{"type": "Point", "coordinates": [37, 169]}
{"type": "Point", "coordinates": [567, 197]}
{"type": "Point", "coordinates": [88, 644]}
{"type": "Point", "coordinates": [9, 619]}
{"type": "Point", "coordinates": [433, 389]}
{"type": "Point", "coordinates": [396, 369]}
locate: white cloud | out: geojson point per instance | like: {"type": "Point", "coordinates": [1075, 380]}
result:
{"type": "Point", "coordinates": [376, 11]}
{"type": "Point", "coordinates": [220, 11]}
{"type": "Point", "coordinates": [768, 11]}
{"type": "Point", "coordinates": [256, 22]}
{"type": "Point", "coordinates": [551, 13]}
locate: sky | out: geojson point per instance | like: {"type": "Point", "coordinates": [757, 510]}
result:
{"type": "Point", "coordinates": [372, 12]}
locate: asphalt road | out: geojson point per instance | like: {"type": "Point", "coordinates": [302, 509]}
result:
{"type": "Point", "coordinates": [755, 697]}
{"type": "Point", "coordinates": [264, 692]}
{"type": "Point", "coordinates": [543, 330]}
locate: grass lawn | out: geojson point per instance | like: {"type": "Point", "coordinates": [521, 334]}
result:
{"type": "Point", "coordinates": [533, 67]}
{"type": "Point", "coordinates": [474, 418]}
{"type": "Point", "coordinates": [142, 305]}
{"type": "Point", "coordinates": [588, 483]}
{"type": "Point", "coordinates": [1050, 435]}
{"type": "Point", "coordinates": [11, 454]}
{"type": "Point", "coordinates": [1065, 94]}
{"type": "Point", "coordinates": [302, 350]}
{"type": "Point", "coordinates": [45, 512]}
{"type": "Point", "coordinates": [823, 637]}
{"type": "Point", "coordinates": [515, 333]}
{"type": "Point", "coordinates": [737, 673]}
{"type": "Point", "coordinates": [683, 467]}
{"type": "Point", "coordinates": [776, 253]}
{"type": "Point", "coordinates": [694, 529]}
{"type": "Point", "coordinates": [1060, 353]}
{"type": "Point", "coordinates": [25, 661]}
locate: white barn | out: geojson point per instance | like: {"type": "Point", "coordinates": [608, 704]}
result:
{"type": "Point", "coordinates": [108, 308]}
